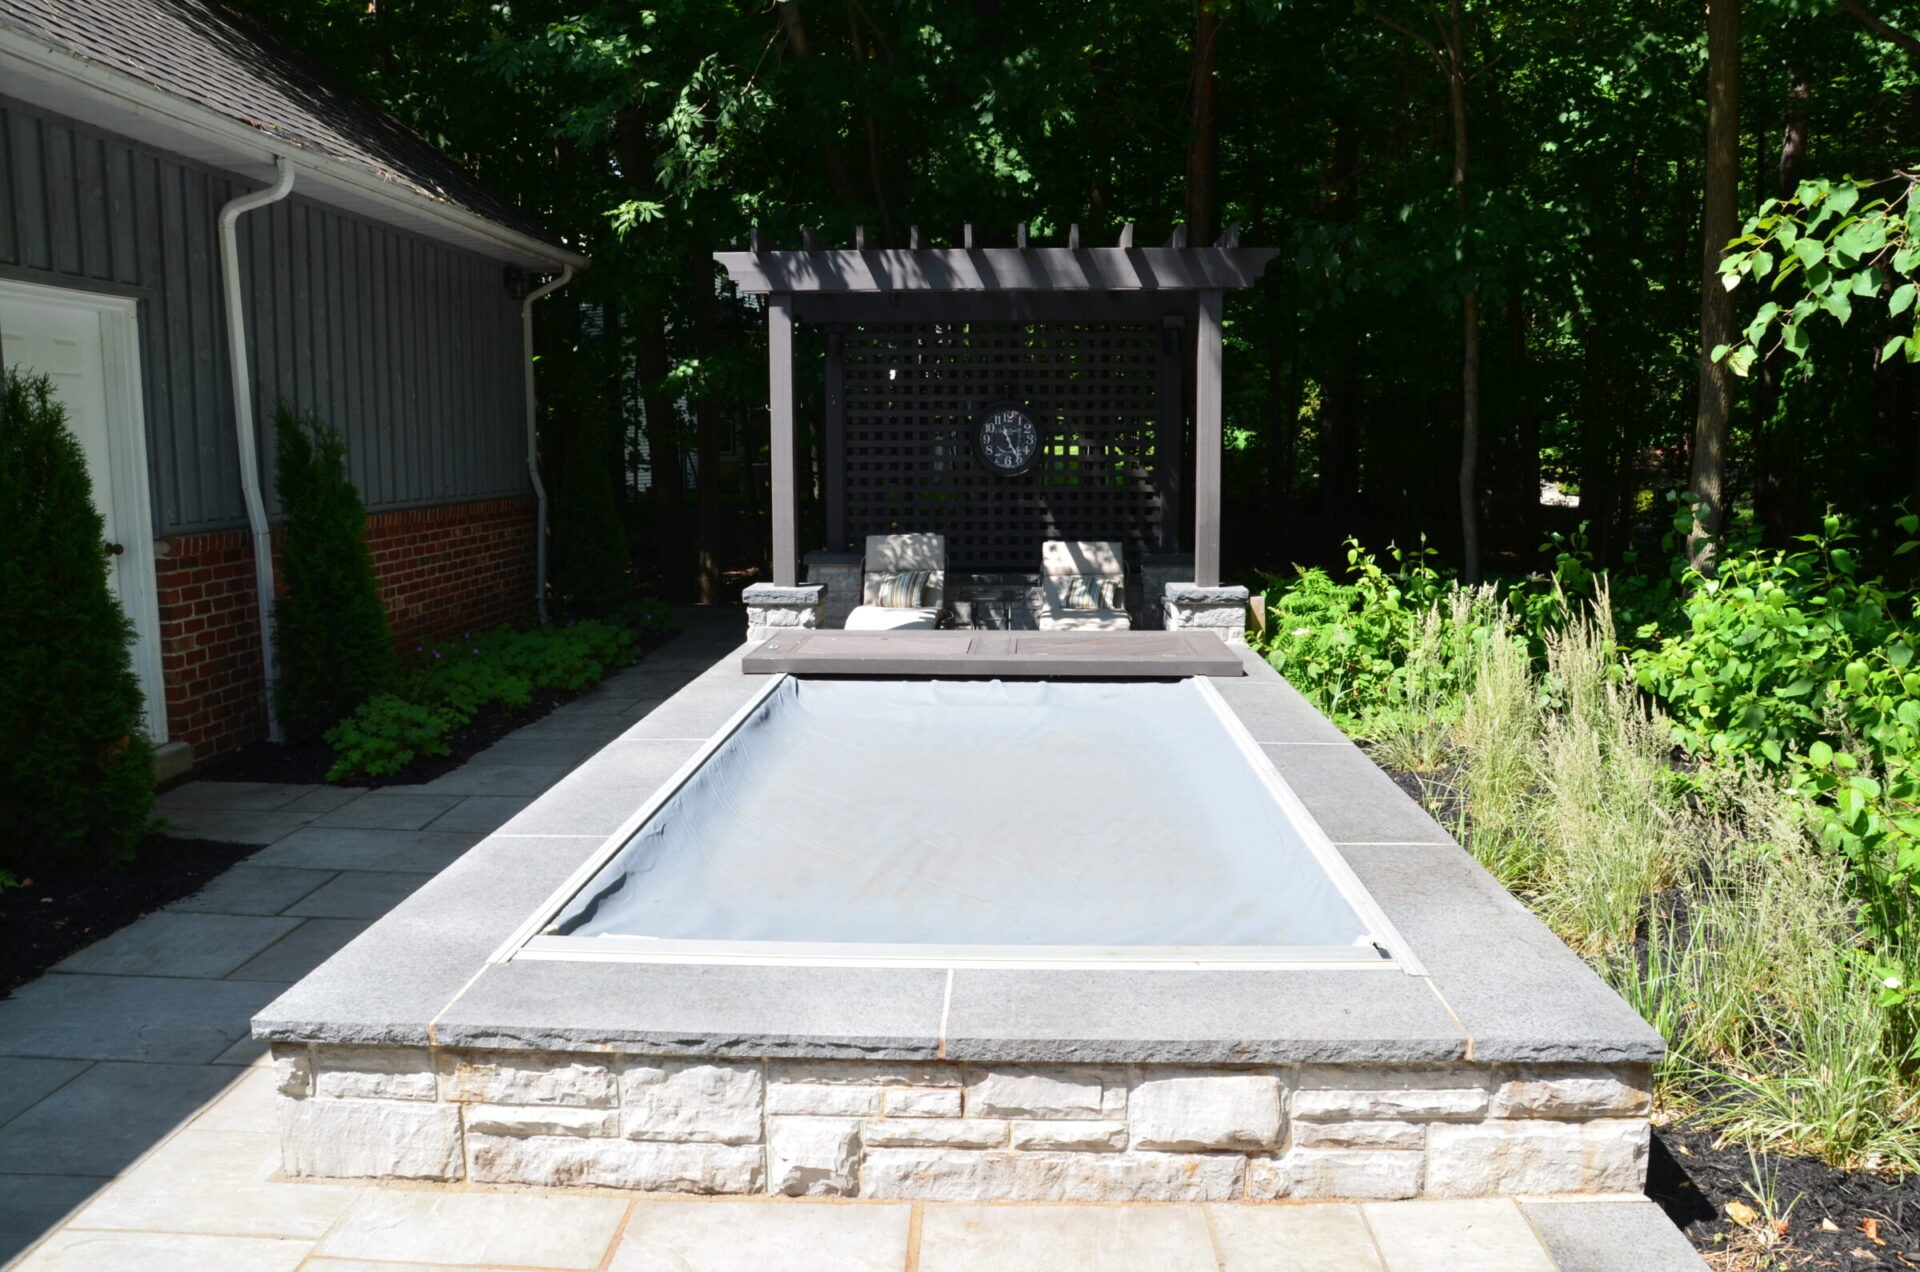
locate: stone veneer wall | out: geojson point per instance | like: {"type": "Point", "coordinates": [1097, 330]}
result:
{"type": "Point", "coordinates": [443, 570]}
{"type": "Point", "coordinates": [961, 1131]}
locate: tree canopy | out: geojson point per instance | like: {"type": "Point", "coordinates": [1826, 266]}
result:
{"type": "Point", "coordinates": [1491, 214]}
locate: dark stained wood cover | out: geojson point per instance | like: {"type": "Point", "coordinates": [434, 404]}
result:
{"type": "Point", "coordinates": [1055, 655]}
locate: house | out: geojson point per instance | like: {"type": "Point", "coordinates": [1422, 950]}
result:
{"type": "Point", "coordinates": [368, 277]}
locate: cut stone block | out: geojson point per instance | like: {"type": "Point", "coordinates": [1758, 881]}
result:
{"type": "Point", "coordinates": [1081, 1137]}
{"type": "Point", "coordinates": [807, 1099]}
{"type": "Point", "coordinates": [690, 1101]}
{"type": "Point", "coordinates": [292, 1071]}
{"type": "Point", "coordinates": [552, 1161]}
{"type": "Point", "coordinates": [1528, 1156]}
{"type": "Point", "coordinates": [921, 1102]}
{"type": "Point", "coordinates": [1334, 1174]}
{"type": "Point", "coordinates": [374, 1073]}
{"type": "Point", "coordinates": [997, 1175]}
{"type": "Point", "coordinates": [935, 1132]}
{"type": "Point", "coordinates": [1389, 1105]}
{"type": "Point", "coordinates": [1047, 1093]}
{"type": "Point", "coordinates": [1406, 1135]}
{"type": "Point", "coordinates": [524, 1120]}
{"type": "Point", "coordinates": [1568, 1092]}
{"type": "Point", "coordinates": [1183, 1111]}
{"type": "Point", "coordinates": [813, 1156]}
{"type": "Point", "coordinates": [528, 1078]}
{"type": "Point", "coordinates": [370, 1139]}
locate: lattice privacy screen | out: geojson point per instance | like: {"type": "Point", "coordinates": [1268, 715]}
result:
{"type": "Point", "coordinates": [912, 393]}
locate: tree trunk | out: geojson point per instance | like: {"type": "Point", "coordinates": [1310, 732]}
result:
{"type": "Point", "coordinates": [1469, 482]}
{"type": "Point", "coordinates": [1203, 143]}
{"type": "Point", "coordinates": [711, 431]}
{"type": "Point", "coordinates": [1719, 223]}
{"type": "Point", "coordinates": [839, 175]}
{"type": "Point", "coordinates": [651, 365]}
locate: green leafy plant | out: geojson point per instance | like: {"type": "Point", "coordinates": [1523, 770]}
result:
{"type": "Point", "coordinates": [1832, 244]}
{"type": "Point", "coordinates": [329, 627]}
{"type": "Point", "coordinates": [76, 773]}
{"type": "Point", "coordinates": [386, 734]}
{"type": "Point", "coordinates": [447, 684]}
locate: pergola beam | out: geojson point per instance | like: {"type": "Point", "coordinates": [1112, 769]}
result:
{"type": "Point", "coordinates": [996, 269]}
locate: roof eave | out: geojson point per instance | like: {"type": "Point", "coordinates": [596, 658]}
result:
{"type": "Point", "coordinates": [232, 145]}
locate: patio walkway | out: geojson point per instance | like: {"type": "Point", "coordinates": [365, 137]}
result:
{"type": "Point", "coordinates": [137, 1124]}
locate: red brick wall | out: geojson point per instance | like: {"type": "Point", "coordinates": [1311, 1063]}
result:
{"type": "Point", "coordinates": [443, 570]}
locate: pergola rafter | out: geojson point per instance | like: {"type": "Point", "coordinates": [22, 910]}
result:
{"type": "Point", "coordinates": [1178, 287]}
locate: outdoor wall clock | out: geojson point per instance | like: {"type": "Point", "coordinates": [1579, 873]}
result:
{"type": "Point", "coordinates": [1007, 438]}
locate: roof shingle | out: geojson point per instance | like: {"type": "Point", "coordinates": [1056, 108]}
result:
{"type": "Point", "coordinates": [225, 61]}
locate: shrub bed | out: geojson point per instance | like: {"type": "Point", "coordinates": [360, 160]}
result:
{"type": "Point", "coordinates": [1715, 806]}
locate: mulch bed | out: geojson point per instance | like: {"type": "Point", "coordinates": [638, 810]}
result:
{"type": "Point", "coordinates": [307, 764]}
{"type": "Point", "coordinates": [1838, 1219]}
{"type": "Point", "coordinates": [57, 912]}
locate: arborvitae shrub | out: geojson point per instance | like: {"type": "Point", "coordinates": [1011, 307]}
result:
{"type": "Point", "coordinates": [76, 770]}
{"type": "Point", "coordinates": [329, 627]}
{"type": "Point", "coordinates": [588, 558]}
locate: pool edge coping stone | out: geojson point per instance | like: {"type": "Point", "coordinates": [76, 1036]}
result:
{"type": "Point", "coordinates": [433, 947]}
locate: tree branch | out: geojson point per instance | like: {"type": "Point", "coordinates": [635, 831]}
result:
{"type": "Point", "coordinates": [1879, 26]}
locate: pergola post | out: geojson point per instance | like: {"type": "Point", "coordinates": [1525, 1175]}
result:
{"type": "Point", "coordinates": [786, 529]}
{"type": "Point", "coordinates": [833, 448]}
{"type": "Point", "coordinates": [1206, 443]}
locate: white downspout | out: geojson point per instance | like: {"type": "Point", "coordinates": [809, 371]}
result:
{"type": "Point", "coordinates": [243, 420]}
{"type": "Point", "coordinates": [533, 442]}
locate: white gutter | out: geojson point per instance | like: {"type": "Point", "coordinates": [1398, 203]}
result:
{"type": "Point", "coordinates": [533, 442]}
{"type": "Point", "coordinates": [157, 105]}
{"type": "Point", "coordinates": [243, 421]}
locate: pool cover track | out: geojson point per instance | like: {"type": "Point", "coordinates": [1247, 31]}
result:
{"type": "Point", "coordinates": [1481, 1057]}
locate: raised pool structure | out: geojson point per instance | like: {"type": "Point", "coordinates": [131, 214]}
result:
{"type": "Point", "coordinates": [950, 915]}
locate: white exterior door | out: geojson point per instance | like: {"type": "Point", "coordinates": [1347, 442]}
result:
{"type": "Point", "coordinates": [88, 344]}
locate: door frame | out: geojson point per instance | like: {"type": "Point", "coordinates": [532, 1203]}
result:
{"type": "Point", "coordinates": [119, 318]}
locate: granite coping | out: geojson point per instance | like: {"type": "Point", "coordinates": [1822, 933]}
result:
{"type": "Point", "coordinates": [1054, 654]}
{"type": "Point", "coordinates": [1499, 986]}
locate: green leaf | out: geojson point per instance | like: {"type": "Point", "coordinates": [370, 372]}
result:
{"type": "Point", "coordinates": [1795, 339]}
{"type": "Point", "coordinates": [1809, 253]}
{"type": "Point", "coordinates": [1771, 749]}
{"type": "Point", "coordinates": [1820, 754]}
{"type": "Point", "coordinates": [1893, 346]}
{"type": "Point", "coordinates": [1837, 304]}
{"type": "Point", "coordinates": [1841, 200]}
{"type": "Point", "coordinates": [1901, 300]}
{"type": "Point", "coordinates": [1899, 653]}
{"type": "Point", "coordinates": [1741, 360]}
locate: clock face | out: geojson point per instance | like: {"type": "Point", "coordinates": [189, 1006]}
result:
{"type": "Point", "coordinates": [1007, 438]}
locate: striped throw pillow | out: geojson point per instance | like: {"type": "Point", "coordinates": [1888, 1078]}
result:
{"type": "Point", "coordinates": [900, 590]}
{"type": "Point", "coordinates": [1081, 592]}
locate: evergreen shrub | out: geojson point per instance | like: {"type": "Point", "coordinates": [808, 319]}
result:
{"type": "Point", "coordinates": [329, 627]}
{"type": "Point", "coordinates": [76, 773]}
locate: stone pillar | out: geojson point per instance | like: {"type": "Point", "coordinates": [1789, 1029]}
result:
{"type": "Point", "coordinates": [839, 574]}
{"type": "Point", "coordinates": [1220, 610]}
{"type": "Point", "coordinates": [1157, 569]}
{"type": "Point", "coordinates": [772, 609]}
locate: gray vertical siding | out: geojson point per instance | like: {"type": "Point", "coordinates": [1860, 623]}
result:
{"type": "Point", "coordinates": [410, 347]}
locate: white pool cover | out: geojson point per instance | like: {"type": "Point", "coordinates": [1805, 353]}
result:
{"type": "Point", "coordinates": [943, 821]}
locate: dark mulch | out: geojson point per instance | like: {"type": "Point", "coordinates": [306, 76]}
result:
{"type": "Point", "coordinates": [57, 912]}
{"type": "Point", "coordinates": [264, 761]}
{"type": "Point", "coordinates": [308, 763]}
{"type": "Point", "coordinates": [1838, 1219]}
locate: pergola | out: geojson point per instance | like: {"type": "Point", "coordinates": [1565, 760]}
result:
{"type": "Point", "coordinates": [1113, 346]}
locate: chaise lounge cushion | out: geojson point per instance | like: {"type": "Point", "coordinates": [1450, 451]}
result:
{"type": "Point", "coordinates": [1082, 587]}
{"type": "Point", "coordinates": [888, 577]}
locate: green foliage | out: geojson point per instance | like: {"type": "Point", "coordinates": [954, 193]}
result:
{"type": "Point", "coordinates": [646, 616]}
{"type": "Point", "coordinates": [76, 772]}
{"type": "Point", "coordinates": [449, 683]}
{"type": "Point", "coordinates": [386, 734]}
{"type": "Point", "coordinates": [329, 627]}
{"type": "Point", "coordinates": [1832, 244]}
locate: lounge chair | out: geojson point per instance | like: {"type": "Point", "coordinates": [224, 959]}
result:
{"type": "Point", "coordinates": [903, 583]}
{"type": "Point", "coordinates": [1082, 587]}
